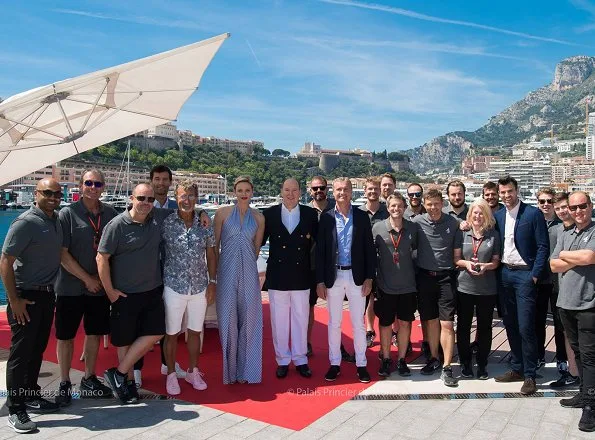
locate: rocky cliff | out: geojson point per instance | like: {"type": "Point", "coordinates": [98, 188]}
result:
{"type": "Point", "coordinates": [561, 102]}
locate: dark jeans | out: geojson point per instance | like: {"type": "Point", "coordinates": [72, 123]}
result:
{"type": "Point", "coordinates": [484, 309]}
{"type": "Point", "coordinates": [141, 362]}
{"type": "Point", "coordinates": [28, 342]}
{"type": "Point", "coordinates": [518, 302]}
{"type": "Point", "coordinates": [547, 297]}
{"type": "Point", "coordinates": [579, 326]}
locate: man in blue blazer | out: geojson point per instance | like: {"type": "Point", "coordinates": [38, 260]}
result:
{"type": "Point", "coordinates": [525, 253]}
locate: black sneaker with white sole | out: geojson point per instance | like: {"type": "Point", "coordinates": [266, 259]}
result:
{"type": "Point", "coordinates": [384, 370]}
{"type": "Point", "coordinates": [332, 373]}
{"type": "Point", "coordinates": [402, 368]}
{"type": "Point", "coordinates": [41, 405]}
{"type": "Point", "coordinates": [448, 378]}
{"type": "Point", "coordinates": [93, 387]}
{"type": "Point", "coordinates": [565, 380]}
{"type": "Point", "coordinates": [431, 367]}
{"type": "Point", "coordinates": [64, 396]}
{"type": "Point", "coordinates": [363, 375]}
{"type": "Point", "coordinates": [467, 371]}
{"type": "Point", "coordinates": [133, 391]}
{"type": "Point", "coordinates": [117, 382]}
{"type": "Point", "coordinates": [21, 423]}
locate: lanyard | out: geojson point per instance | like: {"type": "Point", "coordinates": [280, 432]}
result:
{"type": "Point", "coordinates": [476, 248]}
{"type": "Point", "coordinates": [95, 230]}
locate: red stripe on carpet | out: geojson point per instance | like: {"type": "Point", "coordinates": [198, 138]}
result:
{"type": "Point", "coordinates": [293, 402]}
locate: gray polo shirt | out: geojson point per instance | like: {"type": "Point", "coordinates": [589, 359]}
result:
{"type": "Point", "coordinates": [490, 246]}
{"type": "Point", "coordinates": [79, 236]}
{"type": "Point", "coordinates": [437, 242]}
{"type": "Point", "coordinates": [135, 250]}
{"type": "Point", "coordinates": [36, 241]}
{"type": "Point", "coordinates": [395, 278]}
{"type": "Point", "coordinates": [378, 216]}
{"type": "Point", "coordinates": [577, 286]}
{"type": "Point", "coordinates": [461, 217]}
{"type": "Point", "coordinates": [409, 214]}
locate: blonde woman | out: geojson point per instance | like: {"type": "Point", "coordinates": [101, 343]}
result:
{"type": "Point", "coordinates": [478, 258]}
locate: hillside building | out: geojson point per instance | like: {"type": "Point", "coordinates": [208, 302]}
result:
{"type": "Point", "coordinates": [530, 174]}
{"type": "Point", "coordinates": [590, 141]}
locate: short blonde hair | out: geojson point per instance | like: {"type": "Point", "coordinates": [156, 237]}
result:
{"type": "Point", "coordinates": [489, 221]}
{"type": "Point", "coordinates": [243, 179]}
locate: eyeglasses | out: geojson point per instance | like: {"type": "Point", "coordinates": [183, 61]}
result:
{"type": "Point", "coordinates": [143, 198]}
{"type": "Point", "coordinates": [49, 193]}
{"type": "Point", "coordinates": [416, 195]}
{"type": "Point", "coordinates": [318, 188]}
{"type": "Point", "coordinates": [575, 207]}
{"type": "Point", "coordinates": [544, 201]}
{"type": "Point", "coordinates": [187, 197]}
{"type": "Point", "coordinates": [94, 183]}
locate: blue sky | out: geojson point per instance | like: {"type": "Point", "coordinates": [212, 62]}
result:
{"type": "Point", "coordinates": [341, 73]}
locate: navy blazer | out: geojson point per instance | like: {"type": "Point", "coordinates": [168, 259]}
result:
{"type": "Point", "coordinates": [363, 250]}
{"type": "Point", "coordinates": [530, 237]}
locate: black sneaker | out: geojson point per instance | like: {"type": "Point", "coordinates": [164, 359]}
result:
{"type": "Point", "coordinates": [363, 375]}
{"type": "Point", "coordinates": [467, 371]}
{"type": "Point", "coordinates": [384, 370]}
{"type": "Point", "coordinates": [346, 356]}
{"type": "Point", "coordinates": [431, 367]}
{"type": "Point", "coordinates": [370, 335]}
{"type": "Point", "coordinates": [482, 373]}
{"type": "Point", "coordinates": [21, 423]}
{"type": "Point", "coordinates": [64, 396]}
{"type": "Point", "coordinates": [565, 380]}
{"type": "Point", "coordinates": [133, 391]}
{"type": "Point", "coordinates": [587, 422]}
{"type": "Point", "coordinates": [332, 373]}
{"type": "Point", "coordinates": [402, 368]}
{"type": "Point", "coordinates": [540, 363]}
{"type": "Point", "coordinates": [117, 382]}
{"type": "Point", "coordinates": [93, 387]}
{"type": "Point", "coordinates": [425, 349]}
{"type": "Point", "coordinates": [474, 347]}
{"type": "Point", "coordinates": [41, 405]}
{"type": "Point", "coordinates": [575, 401]}
{"type": "Point", "coordinates": [448, 378]}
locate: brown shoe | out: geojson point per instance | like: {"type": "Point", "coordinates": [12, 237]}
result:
{"type": "Point", "coordinates": [510, 376]}
{"type": "Point", "coordinates": [528, 387]}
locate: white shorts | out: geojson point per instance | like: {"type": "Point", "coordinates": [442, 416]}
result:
{"type": "Point", "coordinates": [176, 304]}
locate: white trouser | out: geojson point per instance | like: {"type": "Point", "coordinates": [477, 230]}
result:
{"type": "Point", "coordinates": [290, 310]}
{"type": "Point", "coordinates": [344, 285]}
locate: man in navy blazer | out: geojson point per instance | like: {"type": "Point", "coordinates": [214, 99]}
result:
{"type": "Point", "coordinates": [525, 253]}
{"type": "Point", "coordinates": [345, 266]}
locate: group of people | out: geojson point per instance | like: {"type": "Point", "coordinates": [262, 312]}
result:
{"type": "Point", "coordinates": [148, 274]}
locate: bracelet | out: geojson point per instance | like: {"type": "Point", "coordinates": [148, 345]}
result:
{"type": "Point", "coordinates": [213, 282]}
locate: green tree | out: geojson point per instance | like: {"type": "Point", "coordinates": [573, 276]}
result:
{"type": "Point", "coordinates": [281, 153]}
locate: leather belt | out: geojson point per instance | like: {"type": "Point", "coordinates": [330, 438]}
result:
{"type": "Point", "coordinates": [48, 288]}
{"type": "Point", "coordinates": [517, 266]}
{"type": "Point", "coordinates": [343, 267]}
{"type": "Point", "coordinates": [436, 273]}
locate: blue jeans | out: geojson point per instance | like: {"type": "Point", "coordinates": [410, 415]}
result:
{"type": "Point", "coordinates": [518, 297]}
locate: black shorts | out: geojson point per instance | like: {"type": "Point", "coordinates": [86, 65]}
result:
{"type": "Point", "coordinates": [401, 306]}
{"type": "Point", "coordinates": [436, 296]}
{"type": "Point", "coordinates": [313, 294]}
{"type": "Point", "coordinates": [93, 310]}
{"type": "Point", "coordinates": [138, 314]}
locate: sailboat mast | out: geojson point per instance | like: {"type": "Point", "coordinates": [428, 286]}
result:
{"type": "Point", "coordinates": [128, 169]}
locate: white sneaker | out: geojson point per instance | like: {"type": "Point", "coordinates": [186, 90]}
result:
{"type": "Point", "coordinates": [138, 380]}
{"type": "Point", "coordinates": [171, 384]}
{"type": "Point", "coordinates": [196, 379]}
{"type": "Point", "coordinates": [179, 372]}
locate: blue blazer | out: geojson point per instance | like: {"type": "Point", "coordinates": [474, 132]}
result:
{"type": "Point", "coordinates": [530, 237]}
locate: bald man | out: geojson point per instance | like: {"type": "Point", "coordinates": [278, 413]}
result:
{"type": "Point", "coordinates": [291, 229]}
{"type": "Point", "coordinates": [29, 265]}
{"type": "Point", "coordinates": [130, 272]}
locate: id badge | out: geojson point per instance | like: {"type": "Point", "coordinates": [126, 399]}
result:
{"type": "Point", "coordinates": [396, 257]}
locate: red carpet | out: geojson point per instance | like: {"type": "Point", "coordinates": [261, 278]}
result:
{"type": "Point", "coordinates": [293, 402]}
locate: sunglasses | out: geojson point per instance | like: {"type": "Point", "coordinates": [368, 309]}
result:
{"type": "Point", "coordinates": [544, 201]}
{"type": "Point", "coordinates": [49, 193]}
{"type": "Point", "coordinates": [318, 188]}
{"type": "Point", "coordinates": [575, 207]}
{"type": "Point", "coordinates": [94, 183]}
{"type": "Point", "coordinates": [416, 195]}
{"type": "Point", "coordinates": [145, 198]}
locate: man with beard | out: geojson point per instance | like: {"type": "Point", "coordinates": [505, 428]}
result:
{"type": "Point", "coordinates": [489, 193]}
{"type": "Point", "coordinates": [455, 191]}
{"type": "Point", "coordinates": [525, 253]}
{"type": "Point", "coordinates": [29, 265]}
{"type": "Point", "coordinates": [568, 371]}
{"type": "Point", "coordinates": [415, 192]}
{"type": "Point", "coordinates": [388, 183]}
{"type": "Point", "coordinates": [161, 179]}
{"type": "Point", "coordinates": [376, 212]}
{"type": "Point", "coordinates": [321, 203]}
{"type": "Point", "coordinates": [574, 258]}
{"type": "Point", "coordinates": [346, 264]}
{"type": "Point", "coordinates": [130, 272]}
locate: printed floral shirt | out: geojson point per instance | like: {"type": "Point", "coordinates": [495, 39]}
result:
{"type": "Point", "coordinates": [185, 268]}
